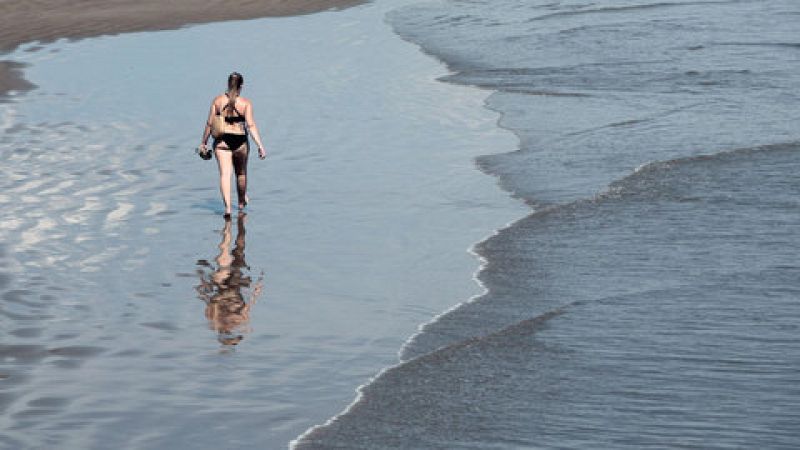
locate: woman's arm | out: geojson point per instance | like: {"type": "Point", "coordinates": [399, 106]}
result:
{"type": "Point", "coordinates": [251, 125]}
{"type": "Point", "coordinates": [207, 129]}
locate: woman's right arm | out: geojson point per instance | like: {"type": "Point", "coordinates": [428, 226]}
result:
{"type": "Point", "coordinates": [207, 129]}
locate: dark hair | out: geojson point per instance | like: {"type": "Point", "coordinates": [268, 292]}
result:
{"type": "Point", "coordinates": [235, 80]}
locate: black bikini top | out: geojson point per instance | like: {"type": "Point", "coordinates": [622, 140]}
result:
{"type": "Point", "coordinates": [232, 119]}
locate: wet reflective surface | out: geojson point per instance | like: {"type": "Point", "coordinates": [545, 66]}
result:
{"type": "Point", "coordinates": [226, 287]}
{"type": "Point", "coordinates": [112, 337]}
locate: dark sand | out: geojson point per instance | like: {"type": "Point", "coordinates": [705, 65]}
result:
{"type": "Point", "coordinates": [24, 21]}
{"type": "Point", "coordinates": [11, 79]}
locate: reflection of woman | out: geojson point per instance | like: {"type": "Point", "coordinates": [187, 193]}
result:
{"type": "Point", "coordinates": [227, 311]}
{"type": "Point", "coordinates": [232, 148]}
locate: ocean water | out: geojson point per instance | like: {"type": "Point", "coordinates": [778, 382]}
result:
{"type": "Point", "coordinates": [651, 299]}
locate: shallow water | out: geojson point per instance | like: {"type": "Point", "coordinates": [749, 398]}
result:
{"type": "Point", "coordinates": [651, 300]}
{"type": "Point", "coordinates": [114, 245]}
{"type": "Point", "coordinates": [685, 337]}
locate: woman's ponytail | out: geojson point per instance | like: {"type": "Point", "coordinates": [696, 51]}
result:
{"type": "Point", "coordinates": [235, 81]}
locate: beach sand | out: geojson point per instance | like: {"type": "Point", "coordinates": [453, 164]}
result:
{"type": "Point", "coordinates": [11, 79]}
{"type": "Point", "coordinates": [50, 20]}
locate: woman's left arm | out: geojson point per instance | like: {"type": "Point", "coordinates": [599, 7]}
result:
{"type": "Point", "coordinates": [251, 126]}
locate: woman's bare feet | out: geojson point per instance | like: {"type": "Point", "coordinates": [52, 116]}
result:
{"type": "Point", "coordinates": [246, 201]}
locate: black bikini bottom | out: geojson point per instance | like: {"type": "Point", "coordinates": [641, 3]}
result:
{"type": "Point", "coordinates": [233, 141]}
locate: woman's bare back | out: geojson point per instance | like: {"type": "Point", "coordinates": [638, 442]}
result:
{"type": "Point", "coordinates": [241, 106]}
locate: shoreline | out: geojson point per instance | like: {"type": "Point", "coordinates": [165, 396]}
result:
{"type": "Point", "coordinates": [23, 23]}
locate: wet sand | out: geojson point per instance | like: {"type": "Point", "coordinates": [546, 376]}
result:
{"type": "Point", "coordinates": [114, 242]}
{"type": "Point", "coordinates": [11, 79]}
{"type": "Point", "coordinates": [50, 20]}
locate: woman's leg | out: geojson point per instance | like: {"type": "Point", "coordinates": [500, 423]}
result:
{"type": "Point", "coordinates": [225, 164]}
{"type": "Point", "coordinates": [240, 167]}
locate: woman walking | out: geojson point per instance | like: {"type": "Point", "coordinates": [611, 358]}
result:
{"type": "Point", "coordinates": [232, 147]}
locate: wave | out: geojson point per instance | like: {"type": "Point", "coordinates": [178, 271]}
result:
{"type": "Point", "coordinates": [310, 438]}
{"type": "Point", "coordinates": [468, 349]}
{"type": "Point", "coordinates": [660, 180]}
{"type": "Point", "coordinates": [652, 180]}
{"type": "Point", "coordinates": [792, 45]}
{"type": "Point", "coordinates": [636, 76]}
{"type": "Point", "coordinates": [629, 8]}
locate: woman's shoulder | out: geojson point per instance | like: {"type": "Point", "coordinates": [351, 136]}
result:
{"type": "Point", "coordinates": [243, 104]}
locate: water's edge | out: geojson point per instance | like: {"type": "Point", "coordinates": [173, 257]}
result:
{"type": "Point", "coordinates": [473, 250]}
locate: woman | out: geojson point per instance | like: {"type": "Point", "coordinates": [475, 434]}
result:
{"type": "Point", "coordinates": [232, 148]}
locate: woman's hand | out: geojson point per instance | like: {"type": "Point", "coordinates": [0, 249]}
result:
{"type": "Point", "coordinates": [262, 153]}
